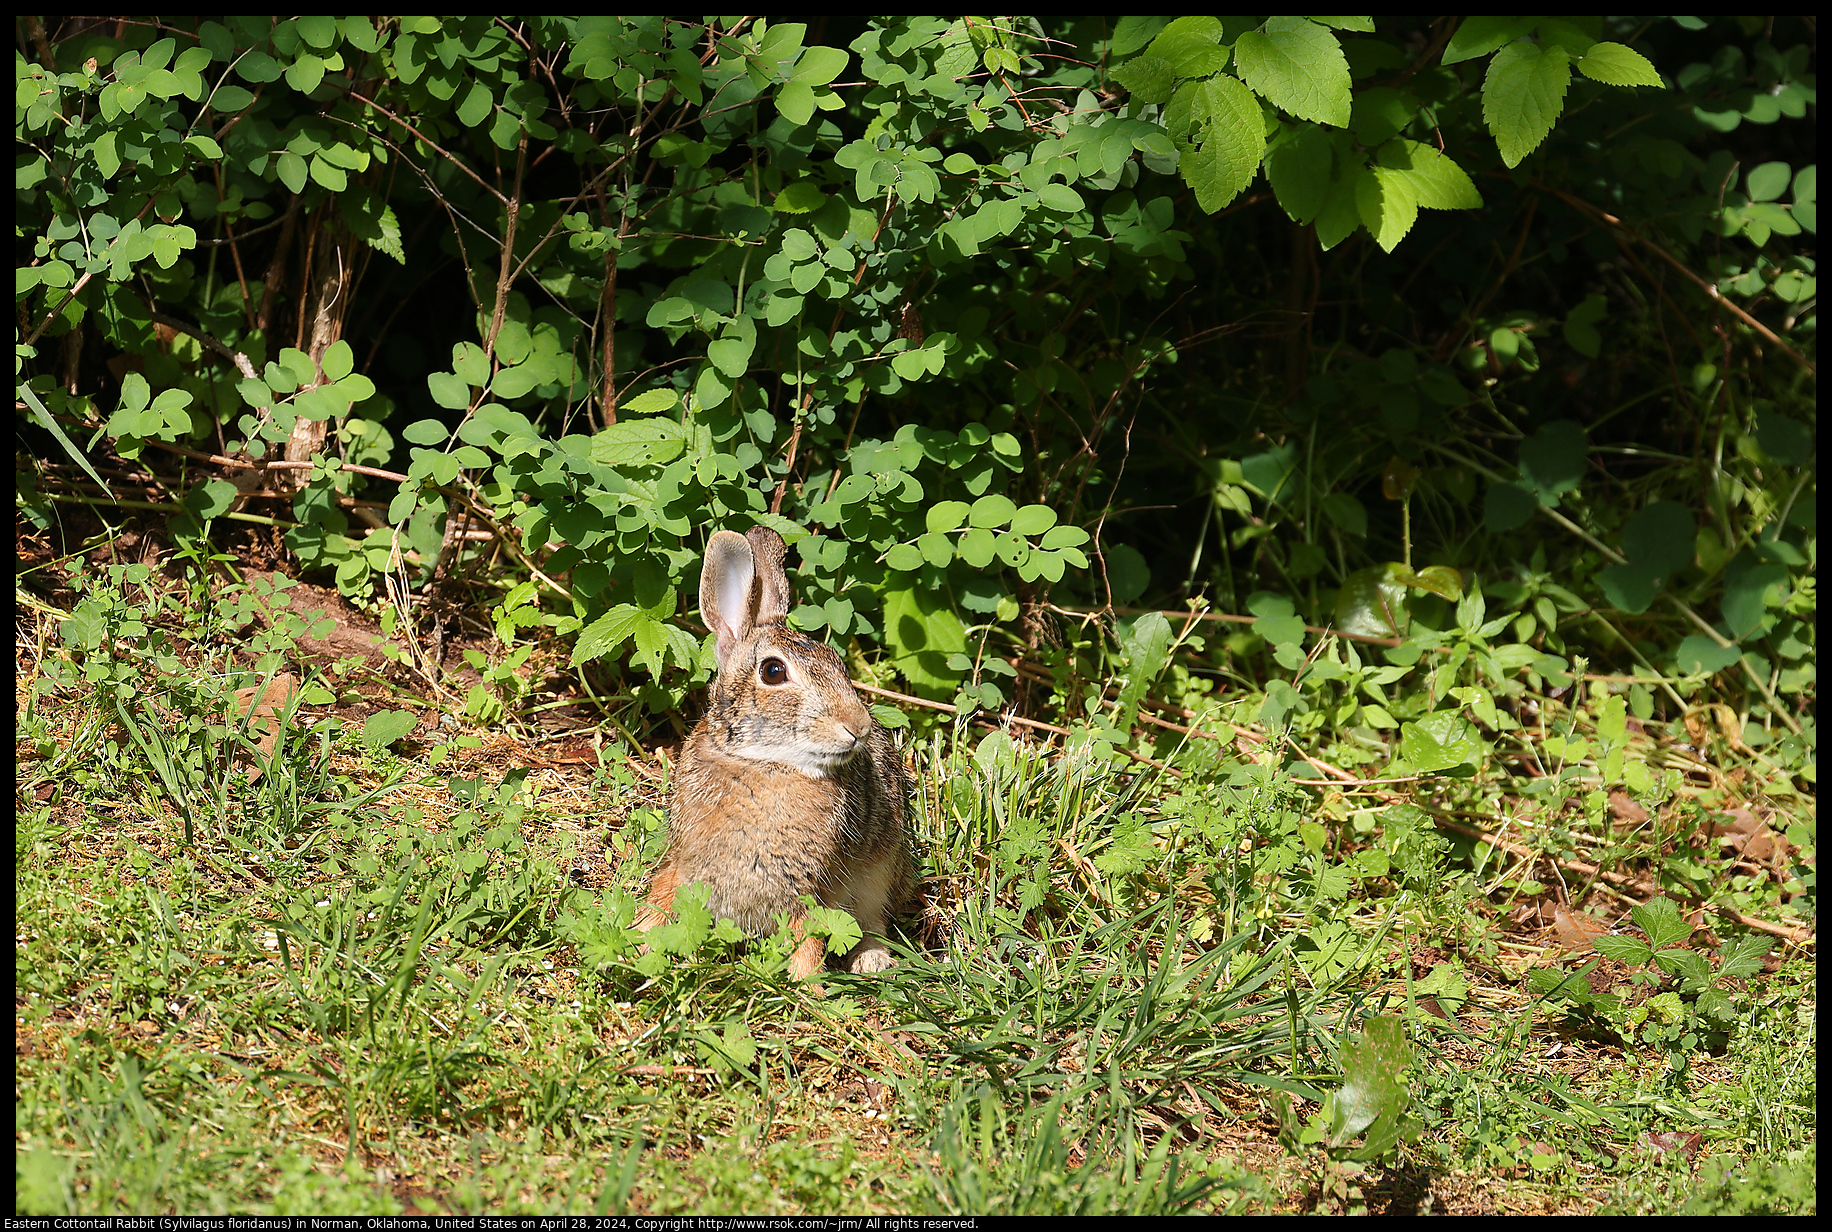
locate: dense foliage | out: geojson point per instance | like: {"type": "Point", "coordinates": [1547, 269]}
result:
{"type": "Point", "coordinates": [1372, 458]}
{"type": "Point", "coordinates": [1307, 318]}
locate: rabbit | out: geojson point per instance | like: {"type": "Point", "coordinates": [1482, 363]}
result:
{"type": "Point", "coordinates": [787, 786]}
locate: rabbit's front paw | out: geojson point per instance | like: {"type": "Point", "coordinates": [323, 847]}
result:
{"type": "Point", "coordinates": [870, 958]}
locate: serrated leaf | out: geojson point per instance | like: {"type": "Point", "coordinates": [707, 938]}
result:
{"type": "Point", "coordinates": [1299, 171]}
{"type": "Point", "coordinates": [1436, 182]}
{"type": "Point", "coordinates": [607, 633]}
{"type": "Point", "coordinates": [1298, 66]}
{"type": "Point", "coordinates": [1522, 95]}
{"type": "Point", "coordinates": [1616, 65]}
{"type": "Point", "coordinates": [1386, 206]}
{"type": "Point", "coordinates": [1661, 920]}
{"type": "Point", "coordinates": [1477, 36]}
{"type": "Point", "coordinates": [1630, 951]}
{"type": "Point", "coordinates": [650, 402]}
{"type": "Point", "coordinates": [1220, 135]}
{"type": "Point", "coordinates": [639, 442]}
{"type": "Point", "coordinates": [1148, 78]}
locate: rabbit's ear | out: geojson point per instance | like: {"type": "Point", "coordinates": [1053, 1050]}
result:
{"type": "Point", "coordinates": [728, 590]}
{"type": "Point", "coordinates": [774, 598]}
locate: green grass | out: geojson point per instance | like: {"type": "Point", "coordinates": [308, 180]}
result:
{"type": "Point", "coordinates": [391, 975]}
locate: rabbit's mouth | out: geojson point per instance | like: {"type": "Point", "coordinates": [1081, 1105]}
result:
{"type": "Point", "coordinates": [817, 761]}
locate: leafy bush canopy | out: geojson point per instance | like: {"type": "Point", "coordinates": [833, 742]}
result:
{"type": "Point", "coordinates": [1327, 319]}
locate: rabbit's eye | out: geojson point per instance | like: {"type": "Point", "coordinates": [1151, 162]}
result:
{"type": "Point", "coordinates": [773, 671]}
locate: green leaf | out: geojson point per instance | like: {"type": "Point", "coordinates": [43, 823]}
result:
{"type": "Point", "coordinates": [947, 515]}
{"type": "Point", "coordinates": [1522, 96]}
{"type": "Point", "coordinates": [607, 633]}
{"type": "Point", "coordinates": [339, 360]}
{"type": "Point", "coordinates": [1127, 572]}
{"type": "Point", "coordinates": [449, 391]}
{"type": "Point", "coordinates": [1033, 519]}
{"type": "Point", "coordinates": [976, 547]}
{"type": "Point", "coordinates": [820, 65]}
{"type": "Point", "coordinates": [921, 634]}
{"type": "Point", "coordinates": [650, 402]}
{"type": "Point", "coordinates": [1630, 588]}
{"type": "Point", "coordinates": [1698, 653]}
{"type": "Point", "coordinates": [1374, 1067]}
{"type": "Point", "coordinates": [1298, 169]}
{"type": "Point", "coordinates": [1347, 513]}
{"type": "Point", "coordinates": [1148, 78]}
{"type": "Point", "coordinates": [1630, 951]}
{"type": "Point", "coordinates": [1661, 920]}
{"type": "Point", "coordinates": [469, 362]}
{"type": "Point", "coordinates": [1748, 589]}
{"type": "Point", "coordinates": [1380, 113]}
{"type": "Point", "coordinates": [1220, 135]}
{"type": "Point", "coordinates": [1787, 441]}
{"type": "Point", "coordinates": [477, 105]}
{"type": "Point", "coordinates": [425, 432]}
{"type": "Point", "coordinates": [1339, 216]}
{"type": "Point", "coordinates": [1298, 66]}
{"type": "Point", "coordinates": [1189, 46]}
{"type": "Point", "coordinates": [904, 557]}
{"type": "Point", "coordinates": [795, 100]}
{"type": "Point", "coordinates": [1444, 580]}
{"type": "Point", "coordinates": [1552, 460]}
{"type": "Point", "coordinates": [1436, 183]}
{"type": "Point", "coordinates": [1616, 65]}
{"type": "Point", "coordinates": [305, 73]}
{"type": "Point", "coordinates": [43, 419]}
{"type": "Point", "coordinates": [639, 442]}
{"type": "Point", "coordinates": [1131, 33]}
{"type": "Point", "coordinates": [991, 510]}
{"type": "Point", "coordinates": [1660, 537]}
{"type": "Point", "coordinates": [731, 355]}
{"type": "Point", "coordinates": [1507, 507]}
{"type": "Point", "coordinates": [1386, 206]}
{"type": "Point", "coordinates": [1061, 198]}
{"type": "Point", "coordinates": [1439, 741]}
{"type": "Point", "coordinates": [1477, 36]}
{"type": "Point", "coordinates": [291, 170]}
{"type": "Point", "coordinates": [385, 727]}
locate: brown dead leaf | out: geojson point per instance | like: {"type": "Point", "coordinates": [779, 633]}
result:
{"type": "Point", "coordinates": [1750, 836]}
{"type": "Point", "coordinates": [265, 708]}
{"type": "Point", "coordinates": [1576, 931]}
{"type": "Point", "coordinates": [1624, 807]}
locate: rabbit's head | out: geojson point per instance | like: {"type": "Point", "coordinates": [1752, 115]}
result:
{"type": "Point", "coordinates": [780, 696]}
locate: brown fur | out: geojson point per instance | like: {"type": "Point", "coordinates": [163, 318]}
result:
{"type": "Point", "coordinates": [784, 788]}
